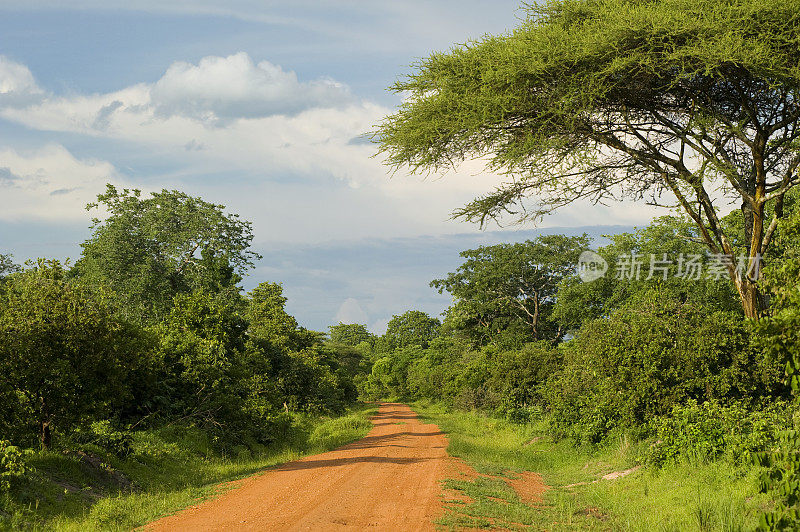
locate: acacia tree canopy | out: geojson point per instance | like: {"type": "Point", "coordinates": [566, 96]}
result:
{"type": "Point", "coordinates": [605, 99]}
{"type": "Point", "coordinates": [7, 265]}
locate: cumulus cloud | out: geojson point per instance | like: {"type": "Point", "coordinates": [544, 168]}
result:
{"type": "Point", "coordinates": [220, 88]}
{"type": "Point", "coordinates": [50, 184]}
{"type": "Point", "coordinates": [224, 113]}
{"type": "Point", "coordinates": [287, 144]}
{"type": "Point", "coordinates": [350, 311]}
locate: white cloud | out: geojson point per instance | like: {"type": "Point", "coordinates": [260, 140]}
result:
{"type": "Point", "coordinates": [350, 312]}
{"type": "Point", "coordinates": [17, 84]}
{"type": "Point", "coordinates": [219, 88]}
{"type": "Point", "coordinates": [245, 116]}
{"type": "Point", "coordinates": [226, 116]}
{"type": "Point", "coordinates": [49, 184]}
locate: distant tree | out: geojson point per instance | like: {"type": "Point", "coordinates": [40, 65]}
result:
{"type": "Point", "coordinates": [7, 265]}
{"type": "Point", "coordinates": [601, 100]}
{"type": "Point", "coordinates": [412, 328]}
{"type": "Point", "coordinates": [512, 286]}
{"type": "Point", "coordinates": [149, 249]}
{"type": "Point", "coordinates": [350, 334]}
{"type": "Point", "coordinates": [62, 350]}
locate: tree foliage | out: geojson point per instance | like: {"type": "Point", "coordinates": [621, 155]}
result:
{"type": "Point", "coordinates": [350, 334]}
{"type": "Point", "coordinates": [511, 286]}
{"type": "Point", "coordinates": [148, 249]}
{"type": "Point", "coordinates": [62, 350]}
{"type": "Point", "coordinates": [606, 99]}
{"type": "Point", "coordinates": [7, 265]}
{"type": "Point", "coordinates": [413, 327]}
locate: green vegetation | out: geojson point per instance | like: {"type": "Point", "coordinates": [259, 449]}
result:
{"type": "Point", "coordinates": [694, 494]}
{"type": "Point", "coordinates": [662, 373]}
{"type": "Point", "coordinates": [142, 376]}
{"type": "Point", "coordinates": [693, 375]}
{"type": "Point", "coordinates": [138, 379]}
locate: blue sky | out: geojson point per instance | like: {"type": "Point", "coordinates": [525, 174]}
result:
{"type": "Point", "coordinates": [258, 105]}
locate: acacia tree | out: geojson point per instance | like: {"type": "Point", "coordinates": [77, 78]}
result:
{"type": "Point", "coordinates": [604, 99]}
{"type": "Point", "coordinates": [7, 265]}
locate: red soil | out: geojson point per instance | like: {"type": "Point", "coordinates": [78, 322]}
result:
{"type": "Point", "coordinates": [389, 480]}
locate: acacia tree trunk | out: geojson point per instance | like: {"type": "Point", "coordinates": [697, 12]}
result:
{"type": "Point", "coordinates": [751, 298]}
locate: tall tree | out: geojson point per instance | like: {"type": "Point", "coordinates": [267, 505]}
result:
{"type": "Point", "coordinates": [602, 99]}
{"type": "Point", "coordinates": [498, 287]}
{"type": "Point", "coordinates": [268, 319]}
{"type": "Point", "coordinates": [148, 249]}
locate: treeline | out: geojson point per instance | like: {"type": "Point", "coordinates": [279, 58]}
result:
{"type": "Point", "coordinates": [150, 327]}
{"type": "Point", "coordinates": [653, 342]}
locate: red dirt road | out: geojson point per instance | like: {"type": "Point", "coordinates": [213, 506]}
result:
{"type": "Point", "coordinates": [388, 480]}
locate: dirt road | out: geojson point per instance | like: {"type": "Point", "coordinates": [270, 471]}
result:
{"type": "Point", "coordinates": [388, 480]}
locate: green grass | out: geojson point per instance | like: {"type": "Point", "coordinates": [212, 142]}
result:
{"type": "Point", "coordinates": [172, 468]}
{"type": "Point", "coordinates": [687, 496]}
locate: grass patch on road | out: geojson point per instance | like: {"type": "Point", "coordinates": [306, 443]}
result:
{"type": "Point", "coordinates": [703, 496]}
{"type": "Point", "coordinates": [171, 468]}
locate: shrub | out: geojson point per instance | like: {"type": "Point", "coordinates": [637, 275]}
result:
{"type": "Point", "coordinates": [655, 352]}
{"type": "Point", "coordinates": [105, 435]}
{"type": "Point", "coordinates": [62, 350]}
{"type": "Point", "coordinates": [710, 430]}
{"type": "Point", "coordinates": [12, 464]}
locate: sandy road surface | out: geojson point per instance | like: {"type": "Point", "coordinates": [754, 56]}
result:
{"type": "Point", "coordinates": [388, 480]}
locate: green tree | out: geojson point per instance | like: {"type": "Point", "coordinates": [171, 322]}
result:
{"type": "Point", "coordinates": [62, 350]}
{"type": "Point", "coordinates": [350, 334]}
{"type": "Point", "coordinates": [511, 286]}
{"type": "Point", "coordinates": [147, 250]}
{"type": "Point", "coordinates": [673, 236]}
{"type": "Point", "coordinates": [269, 320]}
{"type": "Point", "coordinates": [413, 327]}
{"type": "Point", "coordinates": [599, 100]}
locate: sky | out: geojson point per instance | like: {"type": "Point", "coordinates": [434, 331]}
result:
{"type": "Point", "coordinates": [261, 106]}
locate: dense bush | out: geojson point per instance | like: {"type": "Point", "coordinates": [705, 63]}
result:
{"type": "Point", "coordinates": [150, 328]}
{"type": "Point", "coordinates": [63, 353]}
{"type": "Point", "coordinates": [108, 437]}
{"type": "Point", "coordinates": [655, 352]}
{"type": "Point", "coordinates": [709, 430]}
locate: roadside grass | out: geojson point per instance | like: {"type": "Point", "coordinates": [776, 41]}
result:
{"type": "Point", "coordinates": [703, 496]}
{"type": "Point", "coordinates": [171, 468]}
